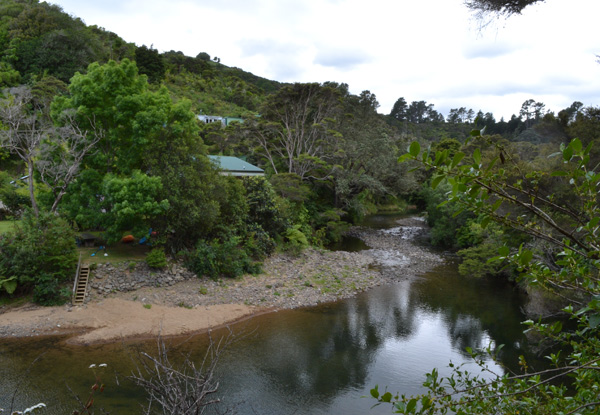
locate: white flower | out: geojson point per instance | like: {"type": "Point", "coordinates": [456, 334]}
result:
{"type": "Point", "coordinates": [93, 365]}
{"type": "Point", "coordinates": [102, 365]}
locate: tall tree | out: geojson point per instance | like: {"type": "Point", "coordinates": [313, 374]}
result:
{"type": "Point", "coordinates": [150, 63]}
{"type": "Point", "coordinates": [118, 100]}
{"type": "Point", "coordinates": [400, 109]}
{"type": "Point", "coordinates": [56, 153]}
{"type": "Point", "coordinates": [294, 132]}
{"type": "Point", "coordinates": [25, 128]}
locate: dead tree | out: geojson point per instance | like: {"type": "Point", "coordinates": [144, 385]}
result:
{"type": "Point", "coordinates": [179, 389]}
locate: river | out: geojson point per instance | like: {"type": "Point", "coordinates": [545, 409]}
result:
{"type": "Point", "coordinates": [318, 360]}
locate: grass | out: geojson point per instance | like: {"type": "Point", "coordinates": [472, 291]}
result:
{"type": "Point", "coordinates": [118, 252]}
{"type": "Point", "coordinates": [7, 225]}
{"type": "Point", "coordinates": [10, 301]}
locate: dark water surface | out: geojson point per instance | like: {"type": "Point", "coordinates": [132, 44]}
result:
{"type": "Point", "coordinates": [318, 360]}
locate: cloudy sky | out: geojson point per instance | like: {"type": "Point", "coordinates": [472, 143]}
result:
{"type": "Point", "coordinates": [431, 50]}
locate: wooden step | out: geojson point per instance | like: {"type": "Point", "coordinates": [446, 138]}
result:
{"type": "Point", "coordinates": [81, 285]}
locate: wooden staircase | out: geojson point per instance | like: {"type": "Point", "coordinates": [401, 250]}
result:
{"type": "Point", "coordinates": [81, 282]}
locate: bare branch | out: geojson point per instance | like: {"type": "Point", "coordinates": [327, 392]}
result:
{"type": "Point", "coordinates": [183, 389]}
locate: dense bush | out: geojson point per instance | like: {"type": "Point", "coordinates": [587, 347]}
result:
{"type": "Point", "coordinates": [41, 254]}
{"type": "Point", "coordinates": [444, 219]}
{"type": "Point", "coordinates": [221, 259]}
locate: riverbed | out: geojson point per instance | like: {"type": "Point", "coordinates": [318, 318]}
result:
{"type": "Point", "coordinates": [308, 360]}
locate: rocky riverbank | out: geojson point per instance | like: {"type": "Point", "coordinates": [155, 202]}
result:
{"type": "Point", "coordinates": [313, 277]}
{"type": "Point", "coordinates": [131, 299]}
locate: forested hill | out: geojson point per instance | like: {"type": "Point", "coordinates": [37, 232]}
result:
{"type": "Point", "coordinates": [38, 39]}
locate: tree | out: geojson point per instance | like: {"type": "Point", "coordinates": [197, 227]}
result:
{"type": "Point", "coordinates": [150, 63]}
{"type": "Point", "coordinates": [183, 389]}
{"type": "Point", "coordinates": [569, 269]}
{"type": "Point", "coordinates": [294, 133]}
{"type": "Point", "coordinates": [61, 155]}
{"type": "Point", "coordinates": [25, 128]}
{"type": "Point", "coordinates": [203, 56]}
{"type": "Point", "coordinates": [56, 153]}
{"type": "Point", "coordinates": [500, 7]}
{"type": "Point", "coordinates": [366, 160]}
{"type": "Point", "coordinates": [399, 110]}
{"type": "Point", "coordinates": [116, 99]}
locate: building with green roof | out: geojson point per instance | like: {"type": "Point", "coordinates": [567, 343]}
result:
{"type": "Point", "coordinates": [233, 166]}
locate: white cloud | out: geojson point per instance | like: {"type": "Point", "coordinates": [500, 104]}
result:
{"type": "Point", "coordinates": [430, 50]}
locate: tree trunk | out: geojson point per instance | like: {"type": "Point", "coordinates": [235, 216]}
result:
{"type": "Point", "coordinates": [34, 205]}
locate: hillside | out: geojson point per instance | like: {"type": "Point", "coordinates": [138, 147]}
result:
{"type": "Point", "coordinates": [38, 40]}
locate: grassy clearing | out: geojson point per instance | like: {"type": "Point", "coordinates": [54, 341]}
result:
{"type": "Point", "coordinates": [7, 225]}
{"type": "Point", "coordinates": [118, 252]}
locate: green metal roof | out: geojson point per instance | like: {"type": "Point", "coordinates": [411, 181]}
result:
{"type": "Point", "coordinates": [236, 166]}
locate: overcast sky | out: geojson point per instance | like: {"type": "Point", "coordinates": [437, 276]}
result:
{"type": "Point", "coordinates": [431, 50]}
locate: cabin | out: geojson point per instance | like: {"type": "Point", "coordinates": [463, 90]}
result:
{"type": "Point", "coordinates": [233, 166]}
{"type": "Point", "coordinates": [225, 121]}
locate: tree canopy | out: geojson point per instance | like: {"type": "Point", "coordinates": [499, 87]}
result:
{"type": "Point", "coordinates": [501, 7]}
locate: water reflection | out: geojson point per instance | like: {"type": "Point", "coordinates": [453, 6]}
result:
{"type": "Point", "coordinates": [307, 361]}
{"type": "Point", "coordinates": [321, 360]}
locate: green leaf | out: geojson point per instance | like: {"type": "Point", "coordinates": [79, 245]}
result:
{"type": "Point", "coordinates": [559, 173]}
{"type": "Point", "coordinates": [386, 397]}
{"type": "Point", "coordinates": [504, 251]}
{"type": "Point", "coordinates": [457, 159]}
{"type": "Point", "coordinates": [496, 205]}
{"type": "Point", "coordinates": [485, 222]}
{"type": "Point", "coordinates": [477, 157]}
{"type": "Point", "coordinates": [594, 320]}
{"type": "Point", "coordinates": [435, 181]}
{"type": "Point", "coordinates": [414, 149]}
{"type": "Point", "coordinates": [404, 158]}
{"type": "Point", "coordinates": [475, 133]}
{"type": "Point", "coordinates": [567, 153]}
{"type": "Point", "coordinates": [412, 405]}
{"type": "Point", "coordinates": [525, 257]}
{"type": "Point", "coordinates": [10, 285]}
{"type": "Point", "coordinates": [576, 145]}
{"type": "Point", "coordinates": [375, 392]}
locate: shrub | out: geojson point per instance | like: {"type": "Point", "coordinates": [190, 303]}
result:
{"type": "Point", "coordinates": [296, 240]}
{"type": "Point", "coordinates": [156, 258]}
{"type": "Point", "coordinates": [41, 254]}
{"type": "Point", "coordinates": [258, 243]}
{"type": "Point", "coordinates": [48, 291]}
{"type": "Point", "coordinates": [221, 259]}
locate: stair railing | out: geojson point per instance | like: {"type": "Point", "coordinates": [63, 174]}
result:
{"type": "Point", "coordinates": [76, 279]}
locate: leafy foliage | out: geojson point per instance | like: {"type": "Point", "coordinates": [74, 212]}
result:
{"type": "Point", "coordinates": [39, 256]}
{"type": "Point", "coordinates": [156, 258]}
{"type": "Point", "coordinates": [571, 272]}
{"type": "Point", "coordinates": [221, 259]}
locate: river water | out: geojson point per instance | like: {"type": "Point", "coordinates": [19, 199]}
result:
{"type": "Point", "coordinates": [318, 360]}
